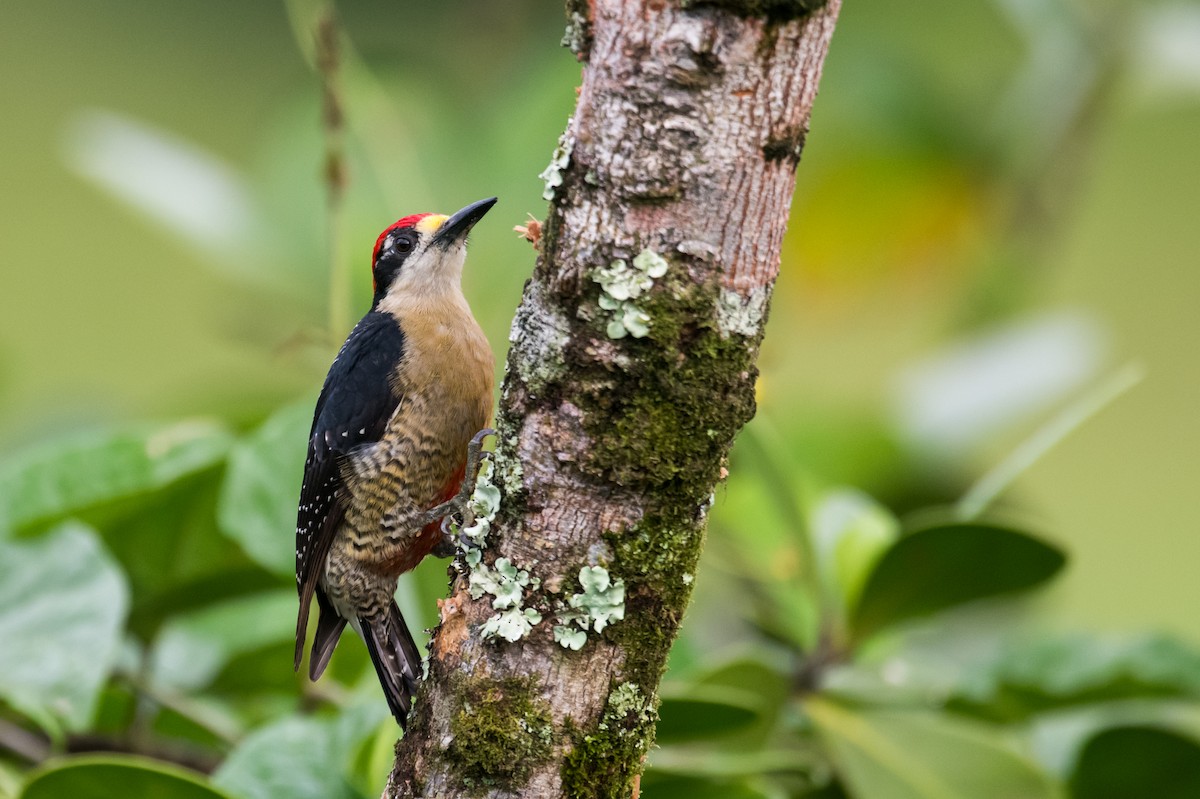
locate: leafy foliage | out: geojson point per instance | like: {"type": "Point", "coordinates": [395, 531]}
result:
{"type": "Point", "coordinates": [297, 757]}
{"type": "Point", "coordinates": [258, 497]}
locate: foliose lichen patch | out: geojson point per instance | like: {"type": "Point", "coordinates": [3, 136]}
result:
{"type": "Point", "coordinates": [621, 285]}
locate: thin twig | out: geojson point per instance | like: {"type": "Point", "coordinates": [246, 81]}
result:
{"type": "Point", "coordinates": [985, 491]}
{"type": "Point", "coordinates": [24, 744]}
{"type": "Point", "coordinates": [336, 177]}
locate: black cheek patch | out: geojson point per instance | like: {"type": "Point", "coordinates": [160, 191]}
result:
{"type": "Point", "coordinates": [385, 272]}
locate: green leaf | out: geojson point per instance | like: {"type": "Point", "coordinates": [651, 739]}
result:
{"type": "Point", "coordinates": [850, 533]}
{"type": "Point", "coordinates": [704, 712]}
{"type": "Point", "coordinates": [262, 486]}
{"type": "Point", "coordinates": [759, 673]}
{"type": "Point", "coordinates": [170, 549]}
{"type": "Point", "coordinates": [918, 755]}
{"type": "Point", "coordinates": [1034, 676]}
{"type": "Point", "coordinates": [10, 780]}
{"type": "Point", "coordinates": [300, 758]}
{"type": "Point", "coordinates": [62, 607]}
{"type": "Point", "coordinates": [116, 777]}
{"type": "Point", "coordinates": [943, 566]}
{"type": "Point", "coordinates": [731, 763]}
{"type": "Point", "coordinates": [1125, 762]}
{"type": "Point", "coordinates": [63, 477]}
{"type": "Point", "coordinates": [672, 786]}
{"type": "Point", "coordinates": [1057, 738]}
{"type": "Point", "coordinates": [192, 649]}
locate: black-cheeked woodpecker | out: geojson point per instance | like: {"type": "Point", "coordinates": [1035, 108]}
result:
{"type": "Point", "coordinates": [397, 427]}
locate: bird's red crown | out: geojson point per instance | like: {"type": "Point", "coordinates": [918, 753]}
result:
{"type": "Point", "coordinates": [406, 222]}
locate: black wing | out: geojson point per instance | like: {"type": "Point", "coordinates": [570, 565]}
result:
{"type": "Point", "coordinates": [354, 407]}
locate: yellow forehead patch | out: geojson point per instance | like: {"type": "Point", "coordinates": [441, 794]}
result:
{"type": "Point", "coordinates": [431, 223]}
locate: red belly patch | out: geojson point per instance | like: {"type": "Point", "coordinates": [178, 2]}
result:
{"type": "Point", "coordinates": [407, 559]}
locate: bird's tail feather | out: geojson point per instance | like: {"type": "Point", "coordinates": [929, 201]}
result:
{"type": "Point", "coordinates": [397, 660]}
{"type": "Point", "coordinates": [329, 629]}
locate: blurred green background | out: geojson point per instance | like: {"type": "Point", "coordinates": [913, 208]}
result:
{"type": "Point", "coordinates": [995, 213]}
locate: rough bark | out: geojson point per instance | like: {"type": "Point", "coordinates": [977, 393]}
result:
{"type": "Point", "coordinates": [684, 144]}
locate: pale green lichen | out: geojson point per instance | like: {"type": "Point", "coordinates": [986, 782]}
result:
{"type": "Point", "coordinates": [570, 637]}
{"type": "Point", "coordinates": [541, 333]}
{"type": "Point", "coordinates": [741, 314]}
{"type": "Point", "coordinates": [626, 699]}
{"type": "Point", "coordinates": [577, 37]}
{"type": "Point", "coordinates": [559, 159]}
{"type": "Point", "coordinates": [504, 581]}
{"type": "Point", "coordinates": [651, 263]}
{"type": "Point", "coordinates": [511, 474]}
{"type": "Point", "coordinates": [507, 584]}
{"type": "Point", "coordinates": [511, 625]}
{"type": "Point", "coordinates": [602, 599]}
{"type": "Point", "coordinates": [621, 284]}
{"type": "Point", "coordinates": [482, 508]}
{"type": "Point", "coordinates": [601, 602]}
{"type": "Point", "coordinates": [632, 321]}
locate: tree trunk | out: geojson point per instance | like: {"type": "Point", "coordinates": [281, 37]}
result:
{"type": "Point", "coordinates": [632, 368]}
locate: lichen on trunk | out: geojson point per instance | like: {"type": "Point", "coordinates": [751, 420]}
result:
{"type": "Point", "coordinates": [631, 370]}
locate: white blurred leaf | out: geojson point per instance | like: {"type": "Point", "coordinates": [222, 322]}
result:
{"type": "Point", "coordinates": [183, 187]}
{"type": "Point", "coordinates": [971, 390]}
{"type": "Point", "coordinates": [988, 487]}
{"type": "Point", "coordinates": [1166, 51]}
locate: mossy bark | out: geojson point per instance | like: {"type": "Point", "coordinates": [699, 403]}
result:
{"type": "Point", "coordinates": [685, 141]}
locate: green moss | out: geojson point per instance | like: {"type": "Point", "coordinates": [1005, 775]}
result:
{"type": "Point", "coordinates": [686, 393]}
{"type": "Point", "coordinates": [603, 763]}
{"type": "Point", "coordinates": [653, 558]}
{"type": "Point", "coordinates": [772, 10]}
{"type": "Point", "coordinates": [500, 731]}
{"type": "Point", "coordinates": [662, 425]}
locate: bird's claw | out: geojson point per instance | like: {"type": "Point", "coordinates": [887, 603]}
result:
{"type": "Point", "coordinates": [475, 456]}
{"type": "Point", "coordinates": [453, 537]}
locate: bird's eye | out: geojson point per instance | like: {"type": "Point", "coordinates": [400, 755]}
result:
{"type": "Point", "coordinates": [403, 244]}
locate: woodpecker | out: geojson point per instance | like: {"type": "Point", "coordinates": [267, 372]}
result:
{"type": "Point", "coordinates": [397, 428]}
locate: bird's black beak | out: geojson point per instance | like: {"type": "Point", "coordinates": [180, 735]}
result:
{"type": "Point", "coordinates": [456, 228]}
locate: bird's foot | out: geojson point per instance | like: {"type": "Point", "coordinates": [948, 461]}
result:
{"type": "Point", "coordinates": [455, 512]}
{"type": "Point", "coordinates": [475, 457]}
